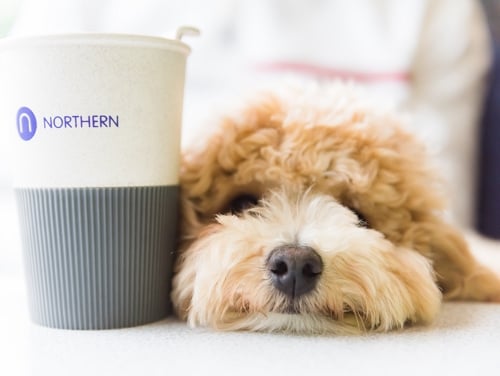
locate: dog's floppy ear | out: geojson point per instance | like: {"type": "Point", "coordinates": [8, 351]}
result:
{"type": "Point", "coordinates": [459, 274]}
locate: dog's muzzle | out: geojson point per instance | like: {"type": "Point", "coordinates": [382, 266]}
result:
{"type": "Point", "coordinates": [294, 270]}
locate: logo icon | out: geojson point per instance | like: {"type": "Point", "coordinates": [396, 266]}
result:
{"type": "Point", "coordinates": [26, 123]}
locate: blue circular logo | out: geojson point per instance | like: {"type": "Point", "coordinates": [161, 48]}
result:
{"type": "Point", "coordinates": [26, 123]}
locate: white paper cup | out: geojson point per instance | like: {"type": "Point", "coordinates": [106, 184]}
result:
{"type": "Point", "coordinates": [95, 129]}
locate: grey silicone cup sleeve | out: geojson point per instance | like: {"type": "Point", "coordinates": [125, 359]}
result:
{"type": "Point", "coordinates": [98, 258]}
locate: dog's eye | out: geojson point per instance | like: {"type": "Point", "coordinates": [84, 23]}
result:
{"type": "Point", "coordinates": [362, 221]}
{"type": "Point", "coordinates": [241, 203]}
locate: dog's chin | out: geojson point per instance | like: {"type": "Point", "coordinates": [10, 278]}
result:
{"type": "Point", "coordinates": [290, 309]}
{"type": "Point", "coordinates": [297, 323]}
{"type": "Point", "coordinates": [295, 307]}
{"type": "Point", "coordinates": [294, 316]}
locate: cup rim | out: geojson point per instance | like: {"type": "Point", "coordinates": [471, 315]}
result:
{"type": "Point", "coordinates": [97, 39]}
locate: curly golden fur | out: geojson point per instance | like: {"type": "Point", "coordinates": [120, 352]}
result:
{"type": "Point", "coordinates": [313, 162]}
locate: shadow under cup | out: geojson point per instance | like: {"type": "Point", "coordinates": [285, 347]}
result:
{"type": "Point", "coordinates": [96, 144]}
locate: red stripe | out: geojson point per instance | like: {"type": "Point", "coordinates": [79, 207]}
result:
{"type": "Point", "coordinates": [332, 73]}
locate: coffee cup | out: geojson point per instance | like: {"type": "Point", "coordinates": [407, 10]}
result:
{"type": "Point", "coordinates": [95, 122]}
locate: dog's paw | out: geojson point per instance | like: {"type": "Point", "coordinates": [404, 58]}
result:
{"type": "Point", "coordinates": [482, 285]}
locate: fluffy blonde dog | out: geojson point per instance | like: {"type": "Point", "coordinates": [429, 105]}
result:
{"type": "Point", "coordinates": [317, 214]}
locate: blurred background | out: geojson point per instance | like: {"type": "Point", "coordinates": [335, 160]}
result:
{"type": "Point", "coordinates": [435, 61]}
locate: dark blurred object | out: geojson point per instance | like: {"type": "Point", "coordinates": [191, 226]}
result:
{"type": "Point", "coordinates": [488, 215]}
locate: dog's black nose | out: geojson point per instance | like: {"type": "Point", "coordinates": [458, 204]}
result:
{"type": "Point", "coordinates": [294, 270]}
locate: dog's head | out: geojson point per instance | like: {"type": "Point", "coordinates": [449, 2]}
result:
{"type": "Point", "coordinates": [299, 214]}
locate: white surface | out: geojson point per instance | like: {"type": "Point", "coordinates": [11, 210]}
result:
{"type": "Point", "coordinates": [465, 339]}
